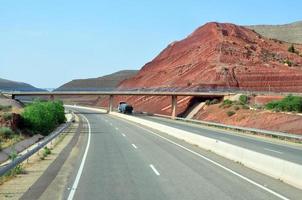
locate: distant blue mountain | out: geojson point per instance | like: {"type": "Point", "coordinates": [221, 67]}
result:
{"type": "Point", "coordinates": [8, 85]}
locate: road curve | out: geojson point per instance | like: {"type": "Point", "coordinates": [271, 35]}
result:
{"type": "Point", "coordinates": [126, 161]}
{"type": "Point", "coordinates": [287, 152]}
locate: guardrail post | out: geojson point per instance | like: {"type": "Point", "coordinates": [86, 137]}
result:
{"type": "Point", "coordinates": [174, 105]}
{"type": "Point", "coordinates": [110, 103]}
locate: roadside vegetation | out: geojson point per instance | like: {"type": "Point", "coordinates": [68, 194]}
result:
{"type": "Point", "coordinates": [5, 108]}
{"type": "Point", "coordinates": [211, 102]}
{"type": "Point", "coordinates": [19, 169]}
{"type": "Point", "coordinates": [234, 106]}
{"type": "Point", "coordinates": [46, 152]}
{"type": "Point", "coordinates": [292, 49]}
{"type": "Point", "coordinates": [288, 104]}
{"type": "Point", "coordinates": [9, 137]}
{"type": "Point", "coordinates": [42, 117]}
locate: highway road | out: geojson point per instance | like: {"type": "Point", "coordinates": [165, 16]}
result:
{"type": "Point", "coordinates": [290, 152]}
{"type": "Point", "coordinates": [123, 160]}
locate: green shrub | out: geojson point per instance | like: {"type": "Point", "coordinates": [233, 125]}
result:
{"type": "Point", "coordinates": [227, 102]}
{"type": "Point", "coordinates": [236, 108]}
{"type": "Point", "coordinates": [215, 101]}
{"type": "Point", "coordinates": [211, 102]}
{"type": "Point", "coordinates": [288, 62]}
{"type": "Point", "coordinates": [47, 151]}
{"type": "Point", "coordinates": [43, 117]}
{"type": "Point", "coordinates": [5, 108]}
{"type": "Point", "coordinates": [230, 113]}
{"type": "Point", "coordinates": [6, 132]}
{"type": "Point", "coordinates": [243, 99]}
{"type": "Point", "coordinates": [289, 104]}
{"type": "Point", "coordinates": [7, 116]}
{"type": "Point", "coordinates": [292, 49]}
{"type": "Point", "coordinates": [13, 155]}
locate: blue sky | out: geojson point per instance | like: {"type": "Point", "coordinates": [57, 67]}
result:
{"type": "Point", "coordinates": [50, 42]}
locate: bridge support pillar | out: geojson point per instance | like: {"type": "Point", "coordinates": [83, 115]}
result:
{"type": "Point", "coordinates": [110, 103]}
{"type": "Point", "coordinates": [174, 105]}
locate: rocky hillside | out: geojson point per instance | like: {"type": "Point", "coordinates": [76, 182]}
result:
{"type": "Point", "coordinates": [222, 55]}
{"type": "Point", "coordinates": [107, 82]}
{"type": "Point", "coordinates": [288, 32]}
{"type": "Point", "coordinates": [17, 86]}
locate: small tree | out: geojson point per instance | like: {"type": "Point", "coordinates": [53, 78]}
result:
{"type": "Point", "coordinates": [292, 49]}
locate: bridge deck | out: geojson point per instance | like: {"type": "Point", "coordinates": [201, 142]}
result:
{"type": "Point", "coordinates": [126, 93]}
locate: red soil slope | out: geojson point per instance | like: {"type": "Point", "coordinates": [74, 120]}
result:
{"type": "Point", "coordinates": [223, 55]}
{"type": "Point", "coordinates": [253, 118]}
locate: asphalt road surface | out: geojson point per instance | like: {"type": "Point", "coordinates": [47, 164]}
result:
{"type": "Point", "coordinates": [284, 151]}
{"type": "Point", "coordinates": [126, 161]}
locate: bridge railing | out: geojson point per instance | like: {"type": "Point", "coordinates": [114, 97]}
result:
{"type": "Point", "coordinates": [165, 89]}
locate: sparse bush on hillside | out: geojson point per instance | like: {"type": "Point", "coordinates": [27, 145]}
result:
{"type": "Point", "coordinates": [43, 117]}
{"type": "Point", "coordinates": [289, 104]}
{"type": "Point", "coordinates": [243, 99]}
{"type": "Point", "coordinates": [288, 62]}
{"type": "Point", "coordinates": [257, 106]}
{"type": "Point", "coordinates": [236, 108]}
{"type": "Point", "coordinates": [230, 113]}
{"type": "Point", "coordinates": [5, 108]}
{"type": "Point", "coordinates": [211, 102]}
{"type": "Point", "coordinates": [291, 49]}
{"type": "Point", "coordinates": [6, 133]}
{"type": "Point", "coordinates": [215, 101]}
{"type": "Point", "coordinates": [226, 103]}
{"type": "Point", "coordinates": [7, 116]}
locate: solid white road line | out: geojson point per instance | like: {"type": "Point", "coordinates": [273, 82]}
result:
{"type": "Point", "coordinates": [80, 170]}
{"type": "Point", "coordinates": [135, 147]}
{"type": "Point", "coordinates": [279, 152]}
{"type": "Point", "coordinates": [154, 170]}
{"type": "Point", "coordinates": [216, 163]}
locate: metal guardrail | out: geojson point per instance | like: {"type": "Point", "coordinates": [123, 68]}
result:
{"type": "Point", "coordinates": [15, 162]}
{"type": "Point", "coordinates": [240, 128]}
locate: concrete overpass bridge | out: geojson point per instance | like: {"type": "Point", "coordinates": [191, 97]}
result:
{"type": "Point", "coordinates": [111, 94]}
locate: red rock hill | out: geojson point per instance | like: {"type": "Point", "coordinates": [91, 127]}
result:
{"type": "Point", "coordinates": [223, 55]}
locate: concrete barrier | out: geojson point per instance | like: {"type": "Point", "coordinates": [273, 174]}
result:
{"type": "Point", "coordinates": [286, 171]}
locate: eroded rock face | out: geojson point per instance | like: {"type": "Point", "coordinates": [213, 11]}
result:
{"type": "Point", "coordinates": [223, 55]}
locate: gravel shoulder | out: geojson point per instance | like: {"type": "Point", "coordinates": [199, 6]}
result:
{"type": "Point", "coordinates": [35, 168]}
